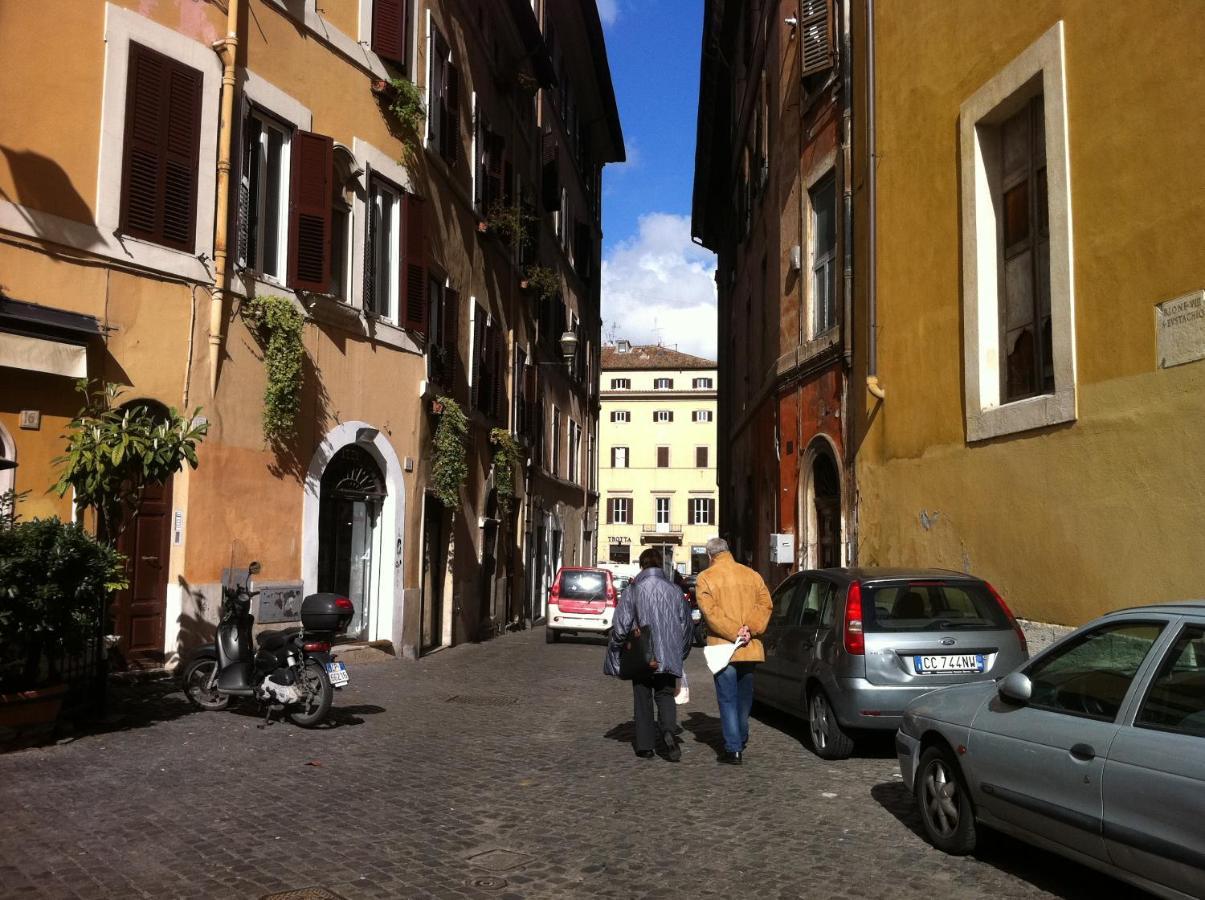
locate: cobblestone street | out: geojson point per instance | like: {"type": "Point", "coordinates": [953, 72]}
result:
{"type": "Point", "coordinates": [496, 770]}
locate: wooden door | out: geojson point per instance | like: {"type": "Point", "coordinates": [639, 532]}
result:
{"type": "Point", "coordinates": [140, 611]}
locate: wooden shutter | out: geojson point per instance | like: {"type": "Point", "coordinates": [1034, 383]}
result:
{"type": "Point", "coordinates": [479, 356]}
{"type": "Point", "coordinates": [414, 264]}
{"type": "Point", "coordinates": [610, 511]}
{"type": "Point", "coordinates": [582, 249]}
{"type": "Point", "coordinates": [369, 286]}
{"type": "Point", "coordinates": [450, 320]}
{"type": "Point", "coordinates": [816, 26]}
{"type": "Point", "coordinates": [162, 140]}
{"type": "Point", "coordinates": [435, 110]}
{"type": "Point", "coordinates": [612, 457]}
{"type": "Point", "coordinates": [550, 173]}
{"type": "Point", "coordinates": [494, 169]}
{"type": "Point", "coordinates": [311, 174]}
{"type": "Point", "coordinates": [671, 415]}
{"type": "Point", "coordinates": [450, 134]}
{"type": "Point", "coordinates": [498, 361]}
{"type": "Point", "coordinates": [701, 457]}
{"type": "Point", "coordinates": [662, 457]}
{"type": "Point", "coordinates": [389, 30]}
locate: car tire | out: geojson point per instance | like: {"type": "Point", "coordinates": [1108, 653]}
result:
{"type": "Point", "coordinates": [829, 739]}
{"type": "Point", "coordinates": [944, 803]}
{"type": "Point", "coordinates": [550, 635]}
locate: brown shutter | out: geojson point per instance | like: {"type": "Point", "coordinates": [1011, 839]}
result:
{"type": "Point", "coordinates": [370, 269]}
{"type": "Point", "coordinates": [701, 457]}
{"type": "Point", "coordinates": [671, 415]}
{"type": "Point", "coordinates": [499, 365]}
{"type": "Point", "coordinates": [610, 511]}
{"type": "Point", "coordinates": [163, 133]}
{"type": "Point", "coordinates": [414, 264]}
{"type": "Point", "coordinates": [389, 30]}
{"type": "Point", "coordinates": [663, 457]}
{"type": "Point", "coordinates": [450, 130]}
{"type": "Point", "coordinates": [312, 170]}
{"type": "Point", "coordinates": [451, 336]}
{"type": "Point", "coordinates": [494, 169]}
{"type": "Point", "coordinates": [612, 457]}
{"type": "Point", "coordinates": [816, 26]}
{"type": "Point", "coordinates": [478, 356]}
{"type": "Point", "coordinates": [550, 172]}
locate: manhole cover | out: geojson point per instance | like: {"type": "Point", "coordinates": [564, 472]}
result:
{"type": "Point", "coordinates": [310, 893]}
{"type": "Point", "coordinates": [471, 700]}
{"type": "Point", "coordinates": [499, 860]}
{"type": "Point", "coordinates": [487, 882]}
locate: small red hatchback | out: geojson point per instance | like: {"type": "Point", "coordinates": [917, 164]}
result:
{"type": "Point", "coordinates": [582, 600]}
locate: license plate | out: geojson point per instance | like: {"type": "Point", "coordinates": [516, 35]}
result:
{"type": "Point", "coordinates": [929, 665]}
{"type": "Point", "coordinates": [695, 615]}
{"type": "Point", "coordinates": [337, 673]}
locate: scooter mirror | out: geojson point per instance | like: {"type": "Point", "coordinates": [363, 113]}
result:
{"type": "Point", "coordinates": [253, 569]}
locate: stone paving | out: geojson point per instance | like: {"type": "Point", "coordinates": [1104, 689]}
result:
{"type": "Point", "coordinates": [501, 770]}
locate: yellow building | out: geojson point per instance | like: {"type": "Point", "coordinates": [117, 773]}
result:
{"type": "Point", "coordinates": [657, 442]}
{"type": "Point", "coordinates": [1029, 268]}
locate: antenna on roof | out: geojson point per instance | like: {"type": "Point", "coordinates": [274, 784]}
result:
{"type": "Point", "coordinates": [657, 331]}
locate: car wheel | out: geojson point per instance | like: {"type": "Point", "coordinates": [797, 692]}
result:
{"type": "Point", "coordinates": [944, 803]}
{"type": "Point", "coordinates": [550, 635]}
{"type": "Point", "coordinates": [829, 739]}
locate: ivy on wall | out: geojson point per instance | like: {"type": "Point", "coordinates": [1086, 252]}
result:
{"type": "Point", "coordinates": [278, 325]}
{"type": "Point", "coordinates": [543, 281]}
{"type": "Point", "coordinates": [506, 458]}
{"type": "Point", "coordinates": [450, 467]}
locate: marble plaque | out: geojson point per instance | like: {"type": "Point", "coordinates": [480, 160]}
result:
{"type": "Point", "coordinates": [1180, 329]}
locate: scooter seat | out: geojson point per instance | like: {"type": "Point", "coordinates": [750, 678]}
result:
{"type": "Point", "coordinates": [274, 640]}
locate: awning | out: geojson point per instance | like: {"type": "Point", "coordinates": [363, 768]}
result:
{"type": "Point", "coordinates": [43, 339]}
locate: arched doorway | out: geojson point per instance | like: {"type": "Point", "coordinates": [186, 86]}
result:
{"type": "Point", "coordinates": [822, 508]}
{"type": "Point", "coordinates": [350, 501]}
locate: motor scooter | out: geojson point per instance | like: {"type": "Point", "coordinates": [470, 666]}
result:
{"type": "Point", "coordinates": [292, 670]}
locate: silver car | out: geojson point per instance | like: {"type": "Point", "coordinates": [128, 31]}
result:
{"type": "Point", "coordinates": [848, 649]}
{"type": "Point", "coordinates": [1094, 749]}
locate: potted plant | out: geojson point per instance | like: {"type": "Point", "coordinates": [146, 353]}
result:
{"type": "Point", "coordinates": [541, 281]}
{"type": "Point", "coordinates": [55, 580]}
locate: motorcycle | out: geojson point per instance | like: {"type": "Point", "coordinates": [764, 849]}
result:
{"type": "Point", "coordinates": [291, 671]}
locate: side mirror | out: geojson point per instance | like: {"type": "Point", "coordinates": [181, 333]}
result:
{"type": "Point", "coordinates": [254, 568]}
{"type": "Point", "coordinates": [1015, 688]}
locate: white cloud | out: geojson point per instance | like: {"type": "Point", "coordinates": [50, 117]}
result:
{"type": "Point", "coordinates": [658, 285]}
{"type": "Point", "coordinates": [608, 11]}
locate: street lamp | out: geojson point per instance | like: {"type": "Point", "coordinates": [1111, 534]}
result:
{"type": "Point", "coordinates": [568, 344]}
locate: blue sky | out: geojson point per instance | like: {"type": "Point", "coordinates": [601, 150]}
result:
{"type": "Point", "coordinates": [657, 285]}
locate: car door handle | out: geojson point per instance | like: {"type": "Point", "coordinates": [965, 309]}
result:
{"type": "Point", "coordinates": [1083, 752]}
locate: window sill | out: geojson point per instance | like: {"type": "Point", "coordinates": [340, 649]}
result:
{"type": "Point", "coordinates": [1022, 415]}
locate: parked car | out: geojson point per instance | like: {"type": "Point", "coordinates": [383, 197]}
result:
{"type": "Point", "coordinates": [849, 649]}
{"type": "Point", "coordinates": [1094, 749]}
{"type": "Point", "coordinates": [621, 583]}
{"type": "Point", "coordinates": [688, 584]}
{"type": "Point", "coordinates": [581, 600]}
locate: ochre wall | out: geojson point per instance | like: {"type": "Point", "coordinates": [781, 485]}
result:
{"type": "Point", "coordinates": [1104, 512]}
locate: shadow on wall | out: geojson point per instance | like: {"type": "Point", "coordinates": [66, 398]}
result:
{"type": "Point", "coordinates": [200, 606]}
{"type": "Point", "coordinates": [42, 184]}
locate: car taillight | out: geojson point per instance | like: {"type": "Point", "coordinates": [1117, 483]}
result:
{"type": "Point", "coordinates": [556, 590]}
{"type": "Point", "coordinates": [612, 597]}
{"type": "Point", "coordinates": [317, 646]}
{"type": "Point", "coordinates": [344, 604]}
{"type": "Point", "coordinates": [855, 640]}
{"type": "Point", "coordinates": [1012, 620]}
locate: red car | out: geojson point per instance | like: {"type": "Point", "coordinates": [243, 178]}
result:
{"type": "Point", "coordinates": [582, 600]}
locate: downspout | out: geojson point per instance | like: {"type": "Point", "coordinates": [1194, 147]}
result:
{"type": "Point", "coordinates": [872, 361]}
{"type": "Point", "coordinates": [847, 190]}
{"type": "Point", "coordinates": [228, 50]}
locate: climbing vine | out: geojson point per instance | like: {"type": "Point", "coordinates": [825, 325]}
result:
{"type": "Point", "coordinates": [542, 281]}
{"type": "Point", "coordinates": [450, 466]}
{"type": "Point", "coordinates": [506, 458]}
{"type": "Point", "coordinates": [406, 103]}
{"type": "Point", "coordinates": [509, 222]}
{"type": "Point", "coordinates": [278, 325]}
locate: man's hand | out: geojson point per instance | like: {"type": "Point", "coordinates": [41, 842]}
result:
{"type": "Point", "coordinates": [744, 635]}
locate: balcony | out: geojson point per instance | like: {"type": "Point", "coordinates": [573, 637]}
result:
{"type": "Point", "coordinates": [661, 533]}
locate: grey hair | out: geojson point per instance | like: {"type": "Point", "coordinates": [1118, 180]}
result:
{"type": "Point", "coordinates": [716, 546]}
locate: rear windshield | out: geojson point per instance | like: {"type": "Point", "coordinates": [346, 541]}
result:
{"type": "Point", "coordinates": [931, 606]}
{"type": "Point", "coordinates": [583, 585]}
{"type": "Point", "coordinates": [621, 583]}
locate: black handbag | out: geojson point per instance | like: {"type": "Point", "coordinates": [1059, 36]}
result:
{"type": "Point", "coordinates": [636, 659]}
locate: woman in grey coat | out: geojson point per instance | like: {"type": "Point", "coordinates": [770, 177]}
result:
{"type": "Point", "coordinates": [653, 600]}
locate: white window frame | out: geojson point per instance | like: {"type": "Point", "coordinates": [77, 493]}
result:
{"type": "Point", "coordinates": [621, 510]}
{"type": "Point", "coordinates": [702, 384]}
{"type": "Point", "coordinates": [701, 415]}
{"type": "Point", "coordinates": [662, 505]}
{"type": "Point", "coordinates": [622, 458]}
{"type": "Point", "coordinates": [663, 415]}
{"type": "Point", "coordinates": [663, 384]}
{"type": "Point", "coordinates": [574, 447]}
{"type": "Point", "coordinates": [698, 510]}
{"type": "Point", "coordinates": [622, 415]}
{"type": "Point", "coordinates": [1040, 67]}
{"type": "Point", "coordinates": [621, 384]}
{"type": "Point", "coordinates": [392, 247]}
{"type": "Point", "coordinates": [269, 123]}
{"type": "Point", "coordinates": [821, 263]}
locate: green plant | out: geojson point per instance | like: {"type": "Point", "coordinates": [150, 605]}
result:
{"type": "Point", "coordinates": [506, 458]}
{"type": "Point", "coordinates": [114, 452]}
{"type": "Point", "coordinates": [543, 281]}
{"type": "Point", "coordinates": [406, 104]}
{"type": "Point", "coordinates": [8, 508]}
{"type": "Point", "coordinates": [509, 222]}
{"type": "Point", "coordinates": [450, 467]}
{"type": "Point", "coordinates": [54, 581]}
{"type": "Point", "coordinates": [279, 326]}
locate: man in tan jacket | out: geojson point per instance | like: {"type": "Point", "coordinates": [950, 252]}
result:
{"type": "Point", "coordinates": [736, 605]}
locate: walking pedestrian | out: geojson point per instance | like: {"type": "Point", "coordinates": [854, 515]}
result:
{"type": "Point", "coordinates": [736, 606]}
{"type": "Point", "coordinates": [653, 601]}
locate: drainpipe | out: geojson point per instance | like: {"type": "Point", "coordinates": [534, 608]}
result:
{"type": "Point", "coordinates": [872, 365]}
{"type": "Point", "coordinates": [227, 48]}
{"type": "Point", "coordinates": [845, 60]}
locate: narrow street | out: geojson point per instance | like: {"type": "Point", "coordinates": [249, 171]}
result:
{"type": "Point", "coordinates": [496, 770]}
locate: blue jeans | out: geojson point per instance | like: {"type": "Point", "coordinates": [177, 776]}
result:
{"type": "Point", "coordinates": [734, 691]}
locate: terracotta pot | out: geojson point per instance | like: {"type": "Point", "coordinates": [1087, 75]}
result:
{"type": "Point", "coordinates": [36, 707]}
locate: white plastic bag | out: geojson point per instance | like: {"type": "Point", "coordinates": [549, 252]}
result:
{"type": "Point", "coordinates": [719, 655]}
{"type": "Point", "coordinates": [682, 695]}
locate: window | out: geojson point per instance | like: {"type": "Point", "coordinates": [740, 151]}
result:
{"type": "Point", "coordinates": [663, 415]}
{"type": "Point", "coordinates": [1176, 699]}
{"type": "Point", "coordinates": [382, 250]}
{"type": "Point", "coordinates": [701, 415]}
{"type": "Point", "coordinates": [443, 101]}
{"type": "Point", "coordinates": [619, 457]}
{"type": "Point", "coordinates": [162, 147]}
{"type": "Point", "coordinates": [824, 255]}
{"type": "Point", "coordinates": [556, 442]}
{"type": "Point", "coordinates": [663, 384]}
{"type": "Point", "coordinates": [342, 198]}
{"type": "Point", "coordinates": [491, 171]}
{"type": "Point", "coordinates": [620, 553]}
{"type": "Point", "coordinates": [701, 384]}
{"type": "Point", "coordinates": [1090, 675]}
{"type": "Point", "coordinates": [488, 387]}
{"type": "Point", "coordinates": [701, 455]}
{"type": "Point", "coordinates": [619, 511]}
{"type": "Point", "coordinates": [389, 30]}
{"type": "Point", "coordinates": [265, 180]}
{"type": "Point", "coordinates": [621, 384]}
{"type": "Point", "coordinates": [921, 606]}
{"type": "Point", "coordinates": [443, 337]}
{"type": "Point", "coordinates": [816, 26]}
{"type": "Point", "coordinates": [702, 511]}
{"type": "Point", "coordinates": [575, 446]}
{"type": "Point", "coordinates": [663, 457]}
{"type": "Point", "coordinates": [1018, 307]}
{"type": "Point", "coordinates": [621, 415]}
{"type": "Point", "coordinates": [663, 511]}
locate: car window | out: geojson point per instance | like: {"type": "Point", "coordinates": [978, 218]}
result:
{"type": "Point", "coordinates": [810, 604]}
{"type": "Point", "coordinates": [1090, 674]}
{"type": "Point", "coordinates": [583, 585]}
{"type": "Point", "coordinates": [782, 598]}
{"type": "Point", "coordinates": [931, 606]}
{"type": "Point", "coordinates": [1176, 699]}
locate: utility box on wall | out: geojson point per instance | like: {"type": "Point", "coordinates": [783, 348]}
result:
{"type": "Point", "coordinates": [782, 549]}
